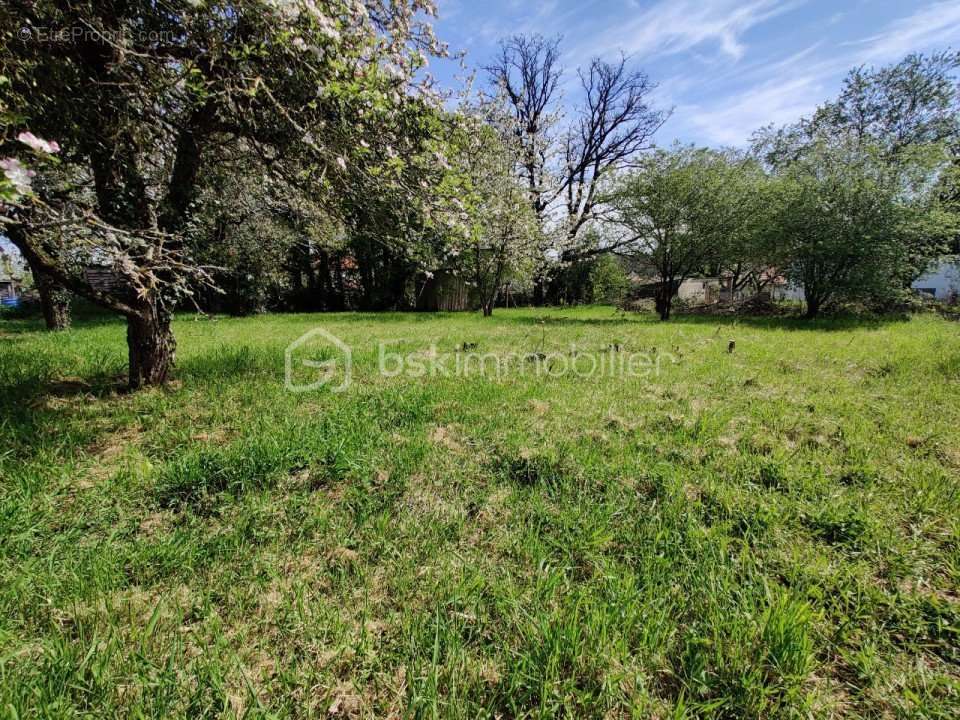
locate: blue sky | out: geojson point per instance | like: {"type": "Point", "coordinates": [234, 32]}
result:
{"type": "Point", "coordinates": [726, 67]}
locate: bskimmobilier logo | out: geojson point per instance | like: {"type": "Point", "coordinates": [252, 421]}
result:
{"type": "Point", "coordinates": [319, 359]}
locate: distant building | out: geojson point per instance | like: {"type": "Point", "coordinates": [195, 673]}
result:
{"type": "Point", "coordinates": [700, 291]}
{"type": "Point", "coordinates": [102, 278]}
{"type": "Point", "coordinates": [445, 291]}
{"type": "Point", "coordinates": [10, 288]}
{"type": "Point", "coordinates": [12, 275]}
{"type": "Point", "coordinates": [789, 291]}
{"type": "Point", "coordinates": [716, 289]}
{"type": "Point", "coordinates": [942, 281]}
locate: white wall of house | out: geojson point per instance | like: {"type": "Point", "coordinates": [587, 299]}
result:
{"type": "Point", "coordinates": [697, 289]}
{"type": "Point", "coordinates": [942, 280]}
{"type": "Point", "coordinates": [789, 291]}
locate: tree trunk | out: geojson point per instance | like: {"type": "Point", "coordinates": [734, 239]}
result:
{"type": "Point", "coordinates": [339, 285]}
{"type": "Point", "coordinates": [151, 346]}
{"type": "Point", "coordinates": [539, 291]}
{"type": "Point", "coordinates": [54, 299]}
{"type": "Point", "coordinates": [491, 301]}
{"type": "Point", "coordinates": [664, 309]}
{"type": "Point", "coordinates": [813, 295]}
{"type": "Point", "coordinates": [663, 299]}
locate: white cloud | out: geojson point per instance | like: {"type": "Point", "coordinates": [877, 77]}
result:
{"type": "Point", "coordinates": [675, 26]}
{"type": "Point", "coordinates": [792, 88]}
{"type": "Point", "coordinates": [777, 102]}
{"type": "Point", "coordinates": [836, 17]}
{"type": "Point", "coordinates": [703, 51]}
{"type": "Point", "coordinates": [934, 25]}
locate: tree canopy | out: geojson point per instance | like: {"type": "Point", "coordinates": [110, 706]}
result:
{"type": "Point", "coordinates": [141, 96]}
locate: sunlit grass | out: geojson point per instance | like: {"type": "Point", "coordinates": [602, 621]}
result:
{"type": "Point", "coordinates": [771, 532]}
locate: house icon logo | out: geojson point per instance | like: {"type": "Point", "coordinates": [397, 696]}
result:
{"type": "Point", "coordinates": [317, 359]}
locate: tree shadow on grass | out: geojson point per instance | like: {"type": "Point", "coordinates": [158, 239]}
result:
{"type": "Point", "coordinates": [827, 323]}
{"type": "Point", "coordinates": [50, 413]}
{"type": "Point", "coordinates": [83, 315]}
{"type": "Point", "coordinates": [47, 392]}
{"type": "Point", "coordinates": [617, 319]}
{"type": "Point", "coordinates": [23, 379]}
{"type": "Point", "coordinates": [383, 316]}
{"type": "Point", "coordinates": [18, 328]}
{"type": "Point", "coordinates": [780, 322]}
{"type": "Point", "coordinates": [226, 361]}
{"type": "Point", "coordinates": [531, 315]}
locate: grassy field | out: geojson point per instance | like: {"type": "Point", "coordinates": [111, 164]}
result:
{"type": "Point", "coordinates": [769, 532]}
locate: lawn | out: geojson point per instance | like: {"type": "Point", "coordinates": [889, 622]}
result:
{"type": "Point", "coordinates": [772, 531]}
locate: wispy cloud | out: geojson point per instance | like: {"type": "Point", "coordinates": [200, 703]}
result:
{"type": "Point", "coordinates": [776, 102]}
{"type": "Point", "coordinates": [937, 24]}
{"type": "Point", "coordinates": [727, 66]}
{"type": "Point", "coordinates": [788, 89]}
{"type": "Point", "coordinates": [515, 17]}
{"type": "Point", "coordinates": [675, 26]}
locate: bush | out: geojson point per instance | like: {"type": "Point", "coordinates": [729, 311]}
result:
{"type": "Point", "coordinates": [608, 281]}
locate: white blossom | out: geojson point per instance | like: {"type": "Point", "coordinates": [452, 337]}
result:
{"type": "Point", "coordinates": [326, 27]}
{"type": "Point", "coordinates": [17, 174]}
{"type": "Point", "coordinates": [38, 144]}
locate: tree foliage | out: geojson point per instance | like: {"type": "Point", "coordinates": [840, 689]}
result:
{"type": "Point", "coordinates": [681, 211]}
{"type": "Point", "coordinates": [564, 162]}
{"type": "Point", "coordinates": [140, 96]}
{"type": "Point", "coordinates": [844, 227]}
{"type": "Point", "coordinates": [497, 238]}
{"type": "Point", "coordinates": [859, 212]}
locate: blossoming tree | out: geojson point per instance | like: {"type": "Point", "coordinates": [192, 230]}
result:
{"type": "Point", "coordinates": [133, 99]}
{"type": "Point", "coordinates": [494, 234]}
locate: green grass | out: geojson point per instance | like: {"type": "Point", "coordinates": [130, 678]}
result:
{"type": "Point", "coordinates": [772, 532]}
